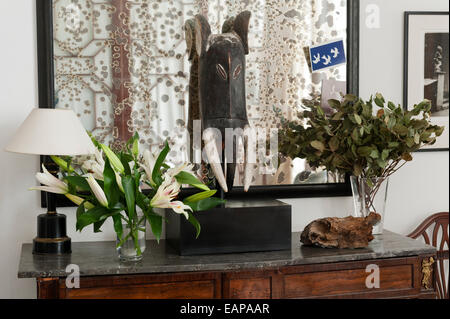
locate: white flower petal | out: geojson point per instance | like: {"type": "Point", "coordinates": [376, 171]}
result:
{"type": "Point", "coordinates": [97, 190]}
{"type": "Point", "coordinates": [48, 189]}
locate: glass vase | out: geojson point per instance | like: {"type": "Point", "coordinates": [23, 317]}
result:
{"type": "Point", "coordinates": [131, 245]}
{"type": "Point", "coordinates": [370, 195]}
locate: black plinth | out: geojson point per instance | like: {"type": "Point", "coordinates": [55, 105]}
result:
{"type": "Point", "coordinates": [239, 226]}
{"type": "Point", "coordinates": [51, 235]}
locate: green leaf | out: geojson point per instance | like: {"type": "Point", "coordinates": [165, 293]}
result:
{"type": "Point", "coordinates": [355, 134]}
{"type": "Point", "coordinates": [142, 201]}
{"type": "Point", "coordinates": [391, 122]}
{"type": "Point", "coordinates": [385, 154]}
{"type": "Point", "coordinates": [379, 100]}
{"type": "Point", "coordinates": [112, 191]}
{"type": "Point", "coordinates": [118, 228]}
{"type": "Point", "coordinates": [381, 163]}
{"type": "Point", "coordinates": [335, 104]}
{"type": "Point", "coordinates": [367, 110]}
{"type": "Point", "coordinates": [374, 154]}
{"type": "Point", "coordinates": [393, 144]}
{"type": "Point", "coordinates": [98, 225]}
{"type": "Point", "coordinates": [155, 221]}
{"type": "Point", "coordinates": [195, 223]}
{"type": "Point", "coordinates": [199, 196]}
{"type": "Point", "coordinates": [410, 142]}
{"type": "Point", "coordinates": [125, 159]}
{"type": "Point", "coordinates": [401, 129]}
{"type": "Point", "coordinates": [358, 119]}
{"type": "Point", "coordinates": [205, 204]}
{"type": "Point", "coordinates": [93, 215]}
{"type": "Point", "coordinates": [318, 145]}
{"type": "Point", "coordinates": [78, 181]}
{"type": "Point", "coordinates": [364, 151]}
{"type": "Point", "coordinates": [334, 143]}
{"type": "Point", "coordinates": [337, 116]}
{"type": "Point", "coordinates": [156, 173]}
{"type": "Point", "coordinates": [439, 130]}
{"type": "Point", "coordinates": [129, 189]}
{"type": "Point", "coordinates": [391, 105]}
{"type": "Point", "coordinates": [187, 178]}
{"type": "Point", "coordinates": [80, 211]}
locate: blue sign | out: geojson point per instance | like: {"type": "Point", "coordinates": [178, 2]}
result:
{"type": "Point", "coordinates": [327, 55]}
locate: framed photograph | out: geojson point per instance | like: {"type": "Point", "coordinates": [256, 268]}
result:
{"type": "Point", "coordinates": [427, 67]}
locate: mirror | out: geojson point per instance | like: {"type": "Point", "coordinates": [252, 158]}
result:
{"type": "Point", "coordinates": [122, 66]}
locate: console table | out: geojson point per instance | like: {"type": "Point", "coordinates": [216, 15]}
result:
{"type": "Point", "coordinates": [406, 271]}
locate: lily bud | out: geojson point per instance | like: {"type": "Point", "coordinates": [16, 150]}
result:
{"type": "Point", "coordinates": [135, 148]}
{"type": "Point", "coordinates": [78, 201]}
{"type": "Point", "coordinates": [113, 159]}
{"type": "Point", "coordinates": [62, 163]}
{"type": "Point", "coordinates": [97, 190]}
{"type": "Point", "coordinates": [149, 163]}
{"type": "Point", "coordinates": [119, 182]}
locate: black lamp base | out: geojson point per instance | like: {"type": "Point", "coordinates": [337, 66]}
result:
{"type": "Point", "coordinates": [51, 235]}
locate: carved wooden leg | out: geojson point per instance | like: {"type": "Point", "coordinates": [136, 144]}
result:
{"type": "Point", "coordinates": [47, 288]}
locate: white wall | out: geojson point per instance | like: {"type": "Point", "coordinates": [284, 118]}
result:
{"type": "Point", "coordinates": [416, 191]}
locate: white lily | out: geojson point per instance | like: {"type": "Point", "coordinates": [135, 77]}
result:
{"type": "Point", "coordinates": [149, 163]}
{"type": "Point", "coordinates": [180, 208]}
{"type": "Point", "coordinates": [97, 190]}
{"type": "Point", "coordinates": [165, 194]}
{"type": "Point", "coordinates": [50, 182]}
{"type": "Point", "coordinates": [168, 191]}
{"type": "Point", "coordinates": [95, 167]}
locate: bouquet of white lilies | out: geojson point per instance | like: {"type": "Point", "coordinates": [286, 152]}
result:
{"type": "Point", "coordinates": [110, 186]}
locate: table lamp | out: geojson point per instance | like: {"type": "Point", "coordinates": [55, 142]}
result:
{"type": "Point", "coordinates": [51, 132]}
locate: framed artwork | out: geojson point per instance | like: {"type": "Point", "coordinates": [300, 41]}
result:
{"type": "Point", "coordinates": [122, 66]}
{"type": "Point", "coordinates": [426, 74]}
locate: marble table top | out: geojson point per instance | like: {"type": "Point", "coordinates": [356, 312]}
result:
{"type": "Point", "coordinates": [100, 258]}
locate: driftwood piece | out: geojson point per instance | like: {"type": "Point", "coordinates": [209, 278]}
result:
{"type": "Point", "coordinates": [348, 232]}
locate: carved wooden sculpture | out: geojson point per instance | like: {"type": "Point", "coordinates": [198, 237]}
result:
{"type": "Point", "coordinates": [220, 101]}
{"type": "Point", "coordinates": [348, 232]}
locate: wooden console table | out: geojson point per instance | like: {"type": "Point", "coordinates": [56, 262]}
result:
{"type": "Point", "coordinates": [405, 265]}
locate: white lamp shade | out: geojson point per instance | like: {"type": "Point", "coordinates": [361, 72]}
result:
{"type": "Point", "coordinates": [51, 132]}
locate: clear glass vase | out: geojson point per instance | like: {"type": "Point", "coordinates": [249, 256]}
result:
{"type": "Point", "coordinates": [370, 195]}
{"type": "Point", "coordinates": [131, 245]}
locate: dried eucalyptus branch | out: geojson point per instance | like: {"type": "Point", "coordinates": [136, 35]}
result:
{"type": "Point", "coordinates": [358, 140]}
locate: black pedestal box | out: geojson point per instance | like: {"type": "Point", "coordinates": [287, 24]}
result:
{"type": "Point", "coordinates": [238, 226]}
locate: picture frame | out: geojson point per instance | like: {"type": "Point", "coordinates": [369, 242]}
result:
{"type": "Point", "coordinates": [46, 87]}
{"type": "Point", "coordinates": [426, 67]}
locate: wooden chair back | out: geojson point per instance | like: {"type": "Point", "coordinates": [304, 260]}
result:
{"type": "Point", "coordinates": [434, 231]}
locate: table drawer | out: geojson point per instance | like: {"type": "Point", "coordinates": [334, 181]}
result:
{"type": "Point", "coordinates": [346, 282]}
{"type": "Point", "coordinates": [177, 286]}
